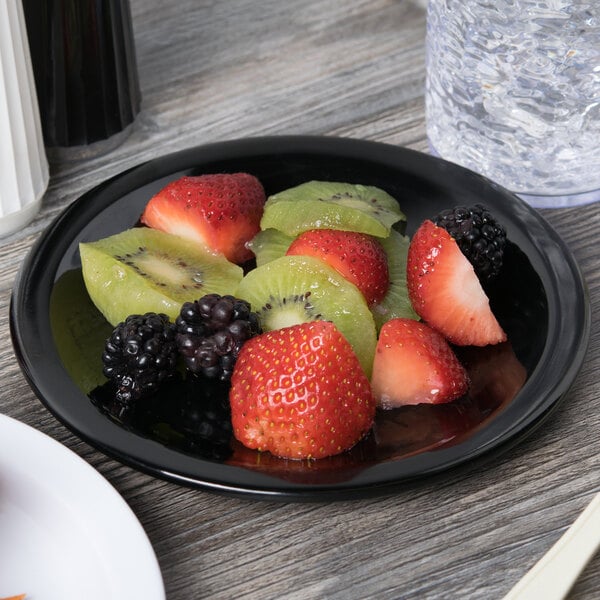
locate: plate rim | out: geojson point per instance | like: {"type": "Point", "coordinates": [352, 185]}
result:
{"type": "Point", "coordinates": [132, 535]}
{"type": "Point", "coordinates": [322, 145]}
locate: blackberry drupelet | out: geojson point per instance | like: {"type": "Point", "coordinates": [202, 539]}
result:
{"type": "Point", "coordinates": [479, 236]}
{"type": "Point", "coordinates": [139, 355]}
{"type": "Point", "coordinates": [211, 332]}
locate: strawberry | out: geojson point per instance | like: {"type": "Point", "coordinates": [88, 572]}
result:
{"type": "Point", "coordinates": [300, 392]}
{"type": "Point", "coordinates": [414, 364]}
{"type": "Point", "coordinates": [219, 211]}
{"type": "Point", "coordinates": [358, 257]}
{"type": "Point", "coordinates": [445, 291]}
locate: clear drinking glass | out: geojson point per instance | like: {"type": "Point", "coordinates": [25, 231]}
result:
{"type": "Point", "coordinates": [513, 93]}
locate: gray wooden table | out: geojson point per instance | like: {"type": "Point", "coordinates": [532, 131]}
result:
{"type": "Point", "coordinates": [213, 71]}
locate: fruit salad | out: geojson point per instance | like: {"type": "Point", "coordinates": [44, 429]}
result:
{"type": "Point", "coordinates": [310, 307]}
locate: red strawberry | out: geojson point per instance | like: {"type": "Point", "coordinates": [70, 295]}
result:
{"type": "Point", "coordinates": [358, 257]}
{"type": "Point", "coordinates": [413, 365]}
{"type": "Point", "coordinates": [220, 211]}
{"type": "Point", "coordinates": [299, 392]}
{"type": "Point", "coordinates": [445, 291]}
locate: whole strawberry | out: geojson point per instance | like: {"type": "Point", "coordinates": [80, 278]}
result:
{"type": "Point", "coordinates": [299, 392]}
{"type": "Point", "coordinates": [220, 211]}
{"type": "Point", "coordinates": [358, 257]}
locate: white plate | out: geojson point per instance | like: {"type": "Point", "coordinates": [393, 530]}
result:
{"type": "Point", "coordinates": [65, 532]}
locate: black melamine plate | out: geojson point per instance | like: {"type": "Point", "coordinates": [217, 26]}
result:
{"type": "Point", "coordinates": [540, 299]}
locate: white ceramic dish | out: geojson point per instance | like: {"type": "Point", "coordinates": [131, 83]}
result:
{"type": "Point", "coordinates": [65, 532]}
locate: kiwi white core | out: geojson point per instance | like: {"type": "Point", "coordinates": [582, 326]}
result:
{"type": "Point", "coordinates": [160, 269]}
{"type": "Point", "coordinates": [287, 317]}
{"type": "Point", "coordinates": [277, 313]}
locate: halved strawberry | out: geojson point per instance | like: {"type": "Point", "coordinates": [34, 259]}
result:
{"type": "Point", "coordinates": [445, 291]}
{"type": "Point", "coordinates": [414, 365]}
{"type": "Point", "coordinates": [300, 392]}
{"type": "Point", "coordinates": [358, 257]}
{"type": "Point", "coordinates": [219, 211]}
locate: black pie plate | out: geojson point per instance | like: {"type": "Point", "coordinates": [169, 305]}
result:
{"type": "Point", "coordinates": [540, 299]}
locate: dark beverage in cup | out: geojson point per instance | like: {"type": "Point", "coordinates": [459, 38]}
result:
{"type": "Point", "coordinates": [85, 70]}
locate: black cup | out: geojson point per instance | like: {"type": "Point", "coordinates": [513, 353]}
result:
{"type": "Point", "coordinates": [85, 71]}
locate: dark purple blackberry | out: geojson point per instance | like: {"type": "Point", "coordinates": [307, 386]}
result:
{"type": "Point", "coordinates": [139, 355]}
{"type": "Point", "coordinates": [479, 236]}
{"type": "Point", "coordinates": [211, 332]}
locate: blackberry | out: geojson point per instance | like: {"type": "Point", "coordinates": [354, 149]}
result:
{"type": "Point", "coordinates": [211, 332]}
{"type": "Point", "coordinates": [139, 355]}
{"type": "Point", "coordinates": [479, 236]}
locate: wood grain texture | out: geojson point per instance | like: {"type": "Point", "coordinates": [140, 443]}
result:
{"type": "Point", "coordinates": [212, 71]}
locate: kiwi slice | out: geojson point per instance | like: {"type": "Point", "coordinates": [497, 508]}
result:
{"type": "Point", "coordinates": [396, 302]}
{"type": "Point", "coordinates": [332, 205]}
{"type": "Point", "coordinates": [145, 270]}
{"type": "Point", "coordinates": [297, 289]}
{"type": "Point", "coordinates": [269, 244]}
{"type": "Point", "coordinates": [79, 330]}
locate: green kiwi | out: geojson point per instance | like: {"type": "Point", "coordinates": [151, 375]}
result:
{"type": "Point", "coordinates": [396, 302]}
{"type": "Point", "coordinates": [79, 330]}
{"type": "Point", "coordinates": [144, 270]}
{"type": "Point", "coordinates": [296, 289]}
{"type": "Point", "coordinates": [269, 244]}
{"type": "Point", "coordinates": [332, 205]}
